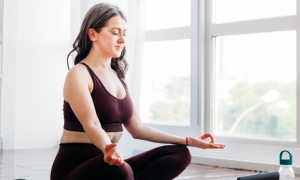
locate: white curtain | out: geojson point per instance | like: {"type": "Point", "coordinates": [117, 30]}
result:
{"type": "Point", "coordinates": [36, 39]}
{"type": "Point", "coordinates": [134, 11]}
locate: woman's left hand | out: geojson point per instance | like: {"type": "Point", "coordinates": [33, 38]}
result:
{"type": "Point", "coordinates": [198, 142]}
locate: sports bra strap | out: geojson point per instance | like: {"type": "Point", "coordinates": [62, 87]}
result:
{"type": "Point", "coordinates": [89, 69]}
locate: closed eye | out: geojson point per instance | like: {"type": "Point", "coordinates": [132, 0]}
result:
{"type": "Point", "coordinates": [118, 34]}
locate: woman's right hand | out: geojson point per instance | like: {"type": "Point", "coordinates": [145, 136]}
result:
{"type": "Point", "coordinates": [111, 156]}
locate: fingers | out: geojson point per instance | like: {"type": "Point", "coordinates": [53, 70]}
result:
{"type": "Point", "coordinates": [109, 146]}
{"type": "Point", "coordinates": [212, 138]}
{"type": "Point", "coordinates": [216, 146]}
{"type": "Point", "coordinates": [207, 145]}
{"type": "Point", "coordinates": [112, 151]}
{"type": "Point", "coordinates": [120, 162]}
{"type": "Point", "coordinates": [113, 161]}
{"type": "Point", "coordinates": [108, 157]}
{"type": "Point", "coordinates": [206, 136]}
{"type": "Point", "coordinates": [113, 157]}
{"type": "Point", "coordinates": [109, 151]}
{"type": "Point", "coordinates": [221, 145]}
{"type": "Point", "coordinates": [116, 161]}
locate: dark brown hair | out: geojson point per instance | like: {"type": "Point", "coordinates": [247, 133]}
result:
{"type": "Point", "coordinates": [96, 18]}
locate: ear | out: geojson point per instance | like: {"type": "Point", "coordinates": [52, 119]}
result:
{"type": "Point", "coordinates": [92, 34]}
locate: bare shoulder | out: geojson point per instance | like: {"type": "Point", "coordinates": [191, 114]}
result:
{"type": "Point", "coordinates": [76, 76]}
{"type": "Point", "coordinates": [76, 73]}
{"type": "Point", "coordinates": [77, 94]}
{"type": "Point", "coordinates": [78, 68]}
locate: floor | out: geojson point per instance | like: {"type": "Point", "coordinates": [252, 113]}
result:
{"type": "Point", "coordinates": [35, 164]}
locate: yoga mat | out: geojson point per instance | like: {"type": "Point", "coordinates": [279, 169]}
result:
{"type": "Point", "coordinates": [262, 176]}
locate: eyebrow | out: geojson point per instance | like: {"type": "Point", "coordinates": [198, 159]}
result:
{"type": "Point", "coordinates": [118, 28]}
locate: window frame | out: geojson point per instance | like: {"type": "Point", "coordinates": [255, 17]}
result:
{"type": "Point", "coordinates": [244, 153]}
{"type": "Point", "coordinates": [274, 24]}
{"type": "Point", "coordinates": [177, 33]}
{"type": "Point", "coordinates": [1, 60]}
{"type": "Point", "coordinates": [1, 38]}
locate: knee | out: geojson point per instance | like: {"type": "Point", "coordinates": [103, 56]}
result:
{"type": "Point", "coordinates": [184, 153]}
{"type": "Point", "coordinates": [123, 172]}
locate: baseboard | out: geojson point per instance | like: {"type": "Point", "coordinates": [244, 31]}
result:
{"type": "Point", "coordinates": [230, 163]}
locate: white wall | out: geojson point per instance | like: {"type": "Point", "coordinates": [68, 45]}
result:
{"type": "Point", "coordinates": [37, 38]}
{"type": "Point", "coordinates": [8, 96]}
{"type": "Point", "coordinates": [36, 41]}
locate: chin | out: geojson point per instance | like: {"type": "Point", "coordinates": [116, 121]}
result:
{"type": "Point", "coordinates": [116, 55]}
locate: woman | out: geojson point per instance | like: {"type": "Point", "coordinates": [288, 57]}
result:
{"type": "Point", "coordinates": [96, 104]}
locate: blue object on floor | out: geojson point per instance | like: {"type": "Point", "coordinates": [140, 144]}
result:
{"type": "Point", "coordinates": [262, 176]}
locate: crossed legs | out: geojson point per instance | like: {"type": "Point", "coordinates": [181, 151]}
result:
{"type": "Point", "coordinates": [76, 161]}
{"type": "Point", "coordinates": [161, 163]}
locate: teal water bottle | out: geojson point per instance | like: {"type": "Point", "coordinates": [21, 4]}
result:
{"type": "Point", "coordinates": [286, 171]}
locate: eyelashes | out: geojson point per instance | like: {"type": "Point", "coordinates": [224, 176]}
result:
{"type": "Point", "coordinates": [118, 34]}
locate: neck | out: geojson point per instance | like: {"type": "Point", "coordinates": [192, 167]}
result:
{"type": "Point", "coordinates": [98, 60]}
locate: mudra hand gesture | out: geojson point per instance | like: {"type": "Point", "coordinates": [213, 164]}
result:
{"type": "Point", "coordinates": [111, 156]}
{"type": "Point", "coordinates": [198, 142]}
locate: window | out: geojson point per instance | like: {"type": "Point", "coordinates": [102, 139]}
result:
{"type": "Point", "coordinates": [166, 82]}
{"type": "Point", "coordinates": [252, 71]}
{"type": "Point", "coordinates": [165, 14]}
{"type": "Point", "coordinates": [226, 11]}
{"type": "Point", "coordinates": [1, 48]}
{"type": "Point", "coordinates": [255, 85]}
{"type": "Point", "coordinates": [166, 76]}
{"type": "Point", "coordinates": [243, 65]}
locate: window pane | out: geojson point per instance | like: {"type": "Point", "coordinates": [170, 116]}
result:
{"type": "Point", "coordinates": [241, 10]}
{"type": "Point", "coordinates": [255, 85]}
{"type": "Point", "coordinates": [165, 93]}
{"type": "Point", "coordinates": [167, 14]}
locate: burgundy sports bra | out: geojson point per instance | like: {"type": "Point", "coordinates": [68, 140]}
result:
{"type": "Point", "coordinates": [111, 111]}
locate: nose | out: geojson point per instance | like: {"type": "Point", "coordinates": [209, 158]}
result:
{"type": "Point", "coordinates": [121, 39]}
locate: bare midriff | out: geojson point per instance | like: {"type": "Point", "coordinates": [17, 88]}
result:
{"type": "Point", "coordinates": [82, 137]}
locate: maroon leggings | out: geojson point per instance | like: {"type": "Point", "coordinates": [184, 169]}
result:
{"type": "Point", "coordinates": [80, 161]}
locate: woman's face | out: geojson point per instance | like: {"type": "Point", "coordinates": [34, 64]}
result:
{"type": "Point", "coordinates": [110, 41]}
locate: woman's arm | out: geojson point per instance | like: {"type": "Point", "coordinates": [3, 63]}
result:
{"type": "Point", "coordinates": [79, 98]}
{"type": "Point", "coordinates": [153, 135]}
{"type": "Point", "coordinates": [140, 131]}
{"type": "Point", "coordinates": [150, 134]}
